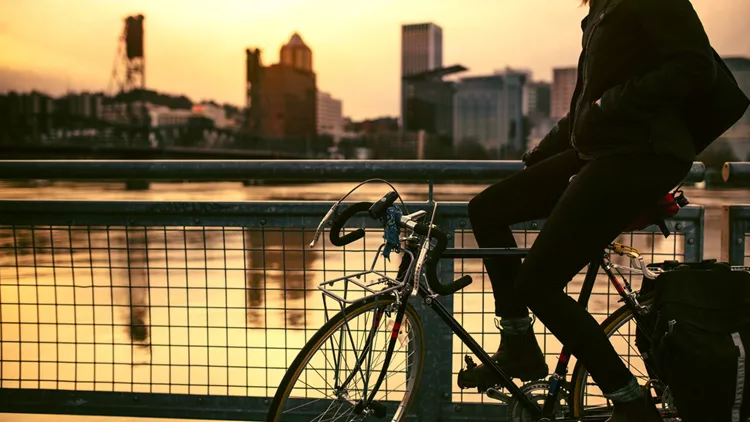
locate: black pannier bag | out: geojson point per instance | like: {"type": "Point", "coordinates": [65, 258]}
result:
{"type": "Point", "coordinates": [699, 339]}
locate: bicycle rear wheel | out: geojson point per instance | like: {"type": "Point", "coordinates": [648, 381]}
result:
{"type": "Point", "coordinates": [334, 374]}
{"type": "Point", "coordinates": [587, 400]}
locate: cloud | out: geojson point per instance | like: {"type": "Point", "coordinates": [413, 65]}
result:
{"type": "Point", "coordinates": [24, 81]}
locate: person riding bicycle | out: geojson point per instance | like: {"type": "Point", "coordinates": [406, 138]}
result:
{"type": "Point", "coordinates": [645, 65]}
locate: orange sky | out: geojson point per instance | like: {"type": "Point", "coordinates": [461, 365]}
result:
{"type": "Point", "coordinates": [196, 48]}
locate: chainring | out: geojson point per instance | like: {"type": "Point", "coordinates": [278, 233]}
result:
{"type": "Point", "coordinates": [537, 392]}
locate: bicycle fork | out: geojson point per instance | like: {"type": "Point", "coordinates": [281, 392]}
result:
{"type": "Point", "coordinates": [368, 403]}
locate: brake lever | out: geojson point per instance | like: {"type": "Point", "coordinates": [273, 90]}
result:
{"type": "Point", "coordinates": [326, 218]}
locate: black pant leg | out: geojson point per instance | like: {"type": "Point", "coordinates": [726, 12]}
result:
{"type": "Point", "coordinates": [528, 195]}
{"type": "Point", "coordinates": [604, 198]}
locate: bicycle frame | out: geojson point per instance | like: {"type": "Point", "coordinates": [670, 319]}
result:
{"type": "Point", "coordinates": [561, 370]}
{"type": "Point", "coordinates": [403, 289]}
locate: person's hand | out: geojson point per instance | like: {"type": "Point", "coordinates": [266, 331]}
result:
{"type": "Point", "coordinates": [532, 157]}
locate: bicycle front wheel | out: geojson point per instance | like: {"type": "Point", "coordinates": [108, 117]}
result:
{"type": "Point", "coordinates": [334, 375]}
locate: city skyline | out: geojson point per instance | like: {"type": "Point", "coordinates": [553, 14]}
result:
{"type": "Point", "coordinates": [196, 49]}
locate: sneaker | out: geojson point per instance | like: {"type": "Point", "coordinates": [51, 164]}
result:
{"type": "Point", "coordinates": [519, 356]}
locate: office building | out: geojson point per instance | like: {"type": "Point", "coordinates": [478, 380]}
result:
{"type": "Point", "coordinates": [537, 99]}
{"type": "Point", "coordinates": [330, 120]}
{"type": "Point", "coordinates": [165, 117]}
{"type": "Point", "coordinates": [281, 98]}
{"type": "Point", "coordinates": [25, 116]}
{"type": "Point", "coordinates": [134, 113]}
{"type": "Point", "coordinates": [287, 105]}
{"type": "Point", "coordinates": [429, 101]}
{"type": "Point", "coordinates": [563, 88]}
{"type": "Point", "coordinates": [489, 110]}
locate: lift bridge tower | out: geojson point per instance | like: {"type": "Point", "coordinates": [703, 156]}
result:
{"type": "Point", "coordinates": [127, 84]}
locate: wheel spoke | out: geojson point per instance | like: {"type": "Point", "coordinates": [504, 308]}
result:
{"type": "Point", "coordinates": [620, 327]}
{"type": "Point", "coordinates": [328, 388]}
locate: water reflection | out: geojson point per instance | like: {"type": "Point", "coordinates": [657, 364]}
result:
{"type": "Point", "coordinates": [280, 274]}
{"type": "Point", "coordinates": [138, 282]}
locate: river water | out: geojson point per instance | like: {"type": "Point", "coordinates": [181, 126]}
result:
{"type": "Point", "coordinates": [206, 310]}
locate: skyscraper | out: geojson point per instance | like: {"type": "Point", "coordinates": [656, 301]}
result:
{"type": "Point", "coordinates": [421, 51]}
{"type": "Point", "coordinates": [421, 48]}
{"type": "Point", "coordinates": [563, 86]}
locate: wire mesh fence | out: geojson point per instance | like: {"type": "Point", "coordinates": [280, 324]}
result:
{"type": "Point", "coordinates": [213, 300]}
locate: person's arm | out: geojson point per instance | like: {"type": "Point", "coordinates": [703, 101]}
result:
{"type": "Point", "coordinates": [687, 64]}
{"type": "Point", "coordinates": [555, 142]}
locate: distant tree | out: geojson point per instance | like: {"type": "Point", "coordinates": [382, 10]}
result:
{"type": "Point", "coordinates": [153, 97]}
{"type": "Point", "coordinates": [471, 149]}
{"type": "Point", "coordinates": [377, 125]}
{"type": "Point", "coordinates": [718, 153]}
{"type": "Point", "coordinates": [322, 143]}
{"type": "Point", "coordinates": [231, 110]}
{"type": "Point", "coordinates": [438, 148]}
{"type": "Point", "coordinates": [347, 146]}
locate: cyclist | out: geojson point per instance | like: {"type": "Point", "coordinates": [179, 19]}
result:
{"type": "Point", "coordinates": [644, 62]}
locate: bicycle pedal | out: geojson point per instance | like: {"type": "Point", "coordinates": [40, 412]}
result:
{"type": "Point", "coordinates": [460, 378]}
{"type": "Point", "coordinates": [493, 393]}
{"type": "Point", "coordinates": [469, 363]}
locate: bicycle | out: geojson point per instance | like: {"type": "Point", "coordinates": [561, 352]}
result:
{"type": "Point", "coordinates": [417, 276]}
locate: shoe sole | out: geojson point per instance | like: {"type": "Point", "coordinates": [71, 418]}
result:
{"type": "Point", "coordinates": [542, 373]}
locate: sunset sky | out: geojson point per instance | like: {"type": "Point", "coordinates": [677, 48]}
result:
{"type": "Point", "coordinates": [196, 48]}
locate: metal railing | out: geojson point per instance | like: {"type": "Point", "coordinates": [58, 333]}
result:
{"type": "Point", "coordinates": [735, 235]}
{"type": "Point", "coordinates": [195, 309]}
{"type": "Point", "coordinates": [736, 219]}
{"type": "Point", "coordinates": [736, 172]}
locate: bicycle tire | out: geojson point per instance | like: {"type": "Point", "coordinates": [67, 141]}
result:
{"type": "Point", "coordinates": [578, 380]}
{"type": "Point", "coordinates": [326, 331]}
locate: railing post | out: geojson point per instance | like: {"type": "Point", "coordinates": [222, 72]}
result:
{"type": "Point", "coordinates": [733, 230]}
{"type": "Point", "coordinates": [694, 241]}
{"type": "Point", "coordinates": [435, 387]}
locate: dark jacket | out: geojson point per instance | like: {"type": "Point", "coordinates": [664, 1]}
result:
{"type": "Point", "coordinates": [650, 64]}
